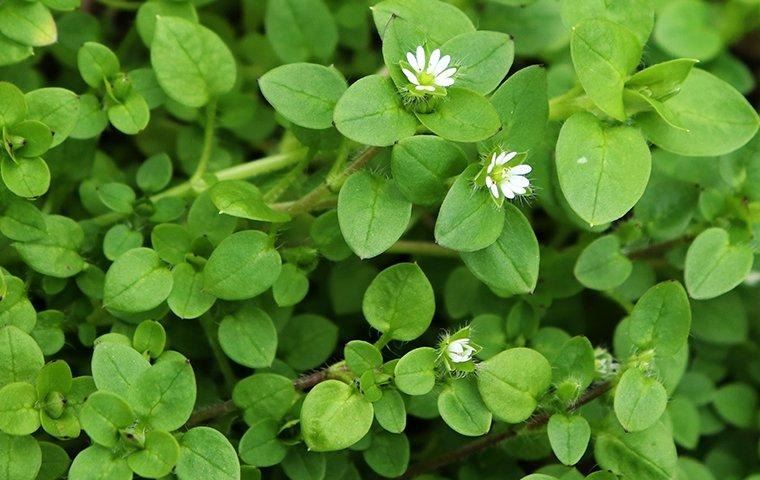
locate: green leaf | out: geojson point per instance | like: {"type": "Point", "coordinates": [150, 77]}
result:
{"type": "Point", "coordinates": [55, 254]}
{"type": "Point", "coordinates": [604, 53]}
{"type": "Point", "coordinates": [422, 164]}
{"type": "Point", "coordinates": [574, 364]}
{"type": "Point", "coordinates": [465, 116]}
{"type": "Point", "coordinates": [18, 410]}
{"type": "Point", "coordinates": [37, 138]}
{"type": "Point", "coordinates": [242, 199]}
{"type": "Point", "coordinates": [306, 341]}
{"type": "Point", "coordinates": [99, 463]}
{"type": "Point", "coordinates": [155, 173]}
{"type": "Point", "coordinates": [636, 15]}
{"type": "Point", "coordinates": [645, 455]}
{"type": "Point", "coordinates": [737, 403]}
{"type": "Point", "coordinates": [57, 108]}
{"type": "Point", "coordinates": [388, 454]}
{"type": "Point", "coordinates": [188, 298]}
{"type": "Point", "coordinates": [157, 457]}
{"type": "Point", "coordinates": [97, 64]}
{"type": "Point", "coordinates": [259, 445]}
{"type": "Point", "coordinates": [662, 80]}
{"type": "Point", "coordinates": [15, 307]}
{"type": "Point", "coordinates": [303, 464]}
{"type": "Point", "coordinates": [510, 264]}
{"type": "Point", "coordinates": [103, 417]}
{"type": "Point", "coordinates": [299, 30]}
{"type": "Point", "coordinates": [362, 356]}
{"type": "Point", "coordinates": [511, 383]}
{"type": "Point", "coordinates": [206, 453]}
{"type": "Point", "coordinates": [20, 457]}
{"type": "Point", "coordinates": [116, 367]}
{"type": "Point", "coordinates": [118, 197]}
{"type": "Point", "coordinates": [304, 93]}
{"type": "Point", "coordinates": [601, 265]}
{"type": "Point", "coordinates": [714, 266]}
{"type": "Point", "coordinates": [12, 105]}
{"type": "Point", "coordinates": [291, 286]}
{"type": "Point", "coordinates": [372, 213]}
{"type": "Point", "coordinates": [55, 462]}
{"type": "Point", "coordinates": [390, 411]}
{"type": "Point", "coordinates": [149, 12]}
{"type": "Point", "coordinates": [716, 119]}
{"type": "Point", "coordinates": [131, 115]}
{"type": "Point", "coordinates": [661, 319]}
{"type": "Point", "coordinates": [462, 408]}
{"type": "Point", "coordinates": [414, 373]}
{"type": "Point", "coordinates": [266, 395]}
{"type": "Point", "coordinates": [327, 237]}
{"type": "Point", "coordinates": [20, 356]}
{"type": "Point", "coordinates": [371, 112]}
{"type": "Point", "coordinates": [172, 242]}
{"type": "Point", "coordinates": [192, 64]}
{"type": "Point", "coordinates": [686, 28]}
{"type": "Point", "coordinates": [92, 119]}
{"type": "Point", "coordinates": [150, 338]}
{"type": "Point", "coordinates": [28, 23]}
{"type": "Point", "coordinates": [400, 302]}
{"type": "Point", "coordinates": [482, 58]}
{"type": "Point", "coordinates": [245, 264]}
{"type": "Point", "coordinates": [334, 416]}
{"type": "Point", "coordinates": [248, 337]}
{"type": "Point", "coordinates": [468, 220]}
{"type": "Point", "coordinates": [602, 170]}
{"type": "Point", "coordinates": [569, 437]}
{"type": "Point", "coordinates": [639, 400]}
{"type": "Point", "coordinates": [29, 177]}
{"type": "Point", "coordinates": [137, 282]}
{"type": "Point", "coordinates": [164, 395]}
{"type": "Point", "coordinates": [119, 239]}
{"type": "Point", "coordinates": [449, 22]}
{"type": "Point", "coordinates": [523, 107]}
{"type": "Point", "coordinates": [721, 320]}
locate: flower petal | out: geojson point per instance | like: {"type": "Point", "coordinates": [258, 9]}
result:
{"type": "Point", "coordinates": [523, 169]}
{"type": "Point", "coordinates": [489, 181]}
{"type": "Point", "coordinates": [410, 76]}
{"type": "Point", "coordinates": [442, 64]}
{"type": "Point", "coordinates": [412, 61]}
{"type": "Point", "coordinates": [494, 191]}
{"type": "Point", "coordinates": [507, 191]}
{"type": "Point", "coordinates": [444, 82]}
{"type": "Point", "coordinates": [446, 74]}
{"type": "Point", "coordinates": [501, 159]}
{"type": "Point", "coordinates": [510, 156]}
{"type": "Point", "coordinates": [518, 190]}
{"type": "Point", "coordinates": [426, 88]}
{"type": "Point", "coordinates": [421, 58]}
{"type": "Point", "coordinates": [519, 181]}
{"type": "Point", "coordinates": [433, 62]}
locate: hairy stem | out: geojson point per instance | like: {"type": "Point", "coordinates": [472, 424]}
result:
{"type": "Point", "coordinates": [208, 141]}
{"type": "Point", "coordinates": [414, 247]}
{"type": "Point", "coordinates": [493, 439]}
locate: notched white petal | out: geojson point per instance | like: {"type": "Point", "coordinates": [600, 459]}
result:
{"type": "Point", "coordinates": [434, 58]}
{"type": "Point", "coordinates": [420, 58]}
{"type": "Point", "coordinates": [410, 76]}
{"type": "Point", "coordinates": [521, 169]}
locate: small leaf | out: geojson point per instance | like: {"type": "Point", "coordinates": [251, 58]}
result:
{"type": "Point", "coordinates": [334, 416]}
{"type": "Point", "coordinates": [465, 116]}
{"type": "Point", "coordinates": [661, 319]}
{"type": "Point", "coordinates": [18, 412]}
{"type": "Point", "coordinates": [245, 264]}
{"type": "Point", "coordinates": [371, 112]}
{"type": "Point", "coordinates": [242, 199]}
{"type": "Point", "coordinates": [372, 213]}
{"type": "Point", "coordinates": [414, 373]}
{"type": "Point", "coordinates": [29, 23]}
{"type": "Point", "coordinates": [164, 395]}
{"type": "Point", "coordinates": [137, 282]}
{"type": "Point", "coordinates": [116, 367]}
{"type": "Point", "coordinates": [20, 457]}
{"type": "Point", "coordinates": [103, 416]}
{"type": "Point", "coordinates": [511, 383]}
{"type": "Point", "coordinates": [639, 400]}
{"type": "Point", "coordinates": [157, 457]}
{"type": "Point", "coordinates": [400, 302]}
{"type": "Point", "coordinates": [714, 266]}
{"type": "Point", "coordinates": [188, 298]}
{"type": "Point", "coordinates": [422, 164]}
{"type": "Point", "coordinates": [601, 265]}
{"type": "Point", "coordinates": [462, 408]}
{"type": "Point", "coordinates": [569, 437]}
{"type": "Point", "coordinates": [304, 93]}
{"type": "Point", "coordinates": [97, 64]}
{"type": "Point", "coordinates": [192, 64]}
{"type": "Point", "coordinates": [29, 177]}
{"type": "Point", "coordinates": [249, 337]}
{"type": "Point", "coordinates": [96, 463]}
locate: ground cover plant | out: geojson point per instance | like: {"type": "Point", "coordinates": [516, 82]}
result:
{"type": "Point", "coordinates": [344, 239]}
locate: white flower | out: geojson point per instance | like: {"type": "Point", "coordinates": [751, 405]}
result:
{"type": "Point", "coordinates": [460, 351]}
{"type": "Point", "coordinates": [426, 76]}
{"type": "Point", "coordinates": [504, 180]}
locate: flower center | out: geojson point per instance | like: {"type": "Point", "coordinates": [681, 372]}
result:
{"type": "Point", "coordinates": [426, 78]}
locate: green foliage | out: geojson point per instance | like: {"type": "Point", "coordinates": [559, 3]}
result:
{"type": "Point", "coordinates": [323, 239]}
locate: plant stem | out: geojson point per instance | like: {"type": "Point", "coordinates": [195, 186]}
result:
{"type": "Point", "coordinates": [413, 247]}
{"type": "Point", "coordinates": [494, 439]}
{"type": "Point", "coordinates": [208, 142]}
{"type": "Point", "coordinates": [655, 250]}
{"type": "Point", "coordinates": [211, 331]}
{"type": "Point", "coordinates": [308, 201]}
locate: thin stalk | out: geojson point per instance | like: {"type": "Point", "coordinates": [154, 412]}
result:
{"type": "Point", "coordinates": [208, 142]}
{"type": "Point", "coordinates": [121, 4]}
{"type": "Point", "coordinates": [413, 247]}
